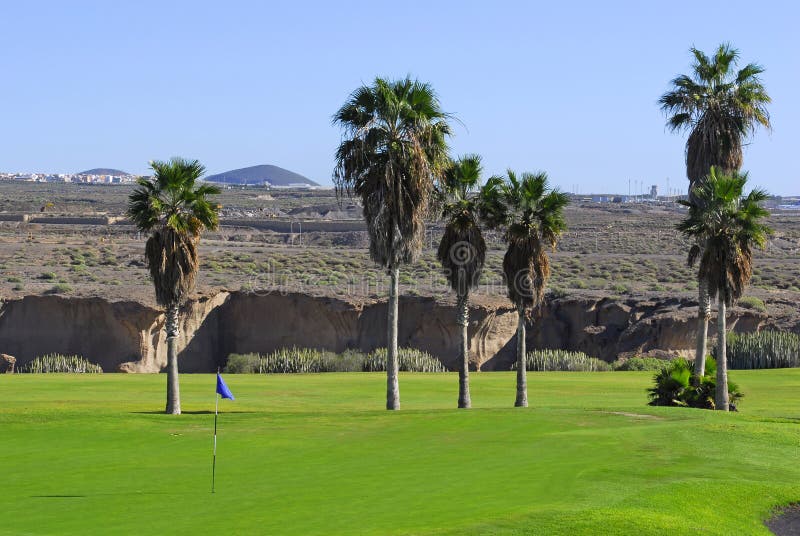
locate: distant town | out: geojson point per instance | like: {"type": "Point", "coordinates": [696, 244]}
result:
{"type": "Point", "coordinates": [264, 176]}
{"type": "Point", "coordinates": [86, 177]}
{"type": "Point", "coordinates": [268, 180]}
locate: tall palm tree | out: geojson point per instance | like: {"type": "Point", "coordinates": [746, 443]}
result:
{"type": "Point", "coordinates": [175, 210]}
{"type": "Point", "coordinates": [462, 251]}
{"type": "Point", "coordinates": [532, 218]}
{"type": "Point", "coordinates": [393, 147]}
{"type": "Point", "coordinates": [725, 225]}
{"type": "Point", "coordinates": [719, 107]}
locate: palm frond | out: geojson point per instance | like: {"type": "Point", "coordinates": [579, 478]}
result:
{"type": "Point", "coordinates": [726, 225]}
{"type": "Point", "coordinates": [393, 148]}
{"type": "Point", "coordinates": [531, 216]}
{"type": "Point", "coordinates": [175, 211]}
{"type": "Point", "coordinates": [719, 107]}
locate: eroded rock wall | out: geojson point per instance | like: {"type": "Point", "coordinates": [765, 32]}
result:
{"type": "Point", "coordinates": [128, 336]}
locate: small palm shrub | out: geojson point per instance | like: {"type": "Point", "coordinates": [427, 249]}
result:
{"type": "Point", "coordinates": [640, 364]}
{"type": "Point", "coordinates": [762, 350]}
{"type": "Point", "coordinates": [670, 384]}
{"type": "Point", "coordinates": [563, 361]}
{"type": "Point", "coordinates": [53, 363]}
{"type": "Point", "coordinates": [676, 385]}
{"type": "Point", "coordinates": [410, 360]}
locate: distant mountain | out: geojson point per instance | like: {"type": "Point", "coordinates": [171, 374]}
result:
{"type": "Point", "coordinates": [104, 171]}
{"type": "Point", "coordinates": [261, 175]}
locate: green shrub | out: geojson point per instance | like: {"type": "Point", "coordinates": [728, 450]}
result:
{"type": "Point", "coordinates": [296, 360]}
{"type": "Point", "coordinates": [242, 363]}
{"type": "Point", "coordinates": [762, 350]}
{"type": "Point", "coordinates": [305, 360]}
{"type": "Point", "coordinates": [287, 361]}
{"type": "Point", "coordinates": [557, 293]}
{"type": "Point", "coordinates": [48, 276]}
{"type": "Point", "coordinates": [676, 385]}
{"type": "Point", "coordinates": [60, 288]}
{"type": "Point", "coordinates": [409, 360]}
{"type": "Point", "coordinates": [670, 384]}
{"type": "Point", "coordinates": [562, 360]}
{"type": "Point", "coordinates": [50, 363]}
{"type": "Point", "coordinates": [621, 288]}
{"type": "Point", "coordinates": [640, 363]}
{"type": "Point", "coordinates": [751, 302]}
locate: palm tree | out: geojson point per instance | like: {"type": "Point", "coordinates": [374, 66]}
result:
{"type": "Point", "coordinates": [725, 225]}
{"type": "Point", "coordinates": [175, 210]}
{"type": "Point", "coordinates": [532, 217]}
{"type": "Point", "coordinates": [720, 107]}
{"type": "Point", "coordinates": [462, 251]}
{"type": "Point", "coordinates": [392, 149]}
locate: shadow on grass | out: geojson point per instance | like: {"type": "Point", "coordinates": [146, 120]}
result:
{"type": "Point", "coordinates": [57, 496]}
{"type": "Point", "coordinates": [203, 412]}
{"type": "Point", "coordinates": [111, 494]}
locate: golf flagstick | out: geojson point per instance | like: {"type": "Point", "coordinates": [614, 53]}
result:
{"type": "Point", "coordinates": [222, 391]}
{"type": "Point", "coordinates": [214, 459]}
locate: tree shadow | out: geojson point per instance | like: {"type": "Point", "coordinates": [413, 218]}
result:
{"type": "Point", "coordinates": [76, 496]}
{"type": "Point", "coordinates": [202, 412]}
{"type": "Point", "coordinates": [57, 496]}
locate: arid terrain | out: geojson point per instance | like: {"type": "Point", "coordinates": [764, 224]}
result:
{"type": "Point", "coordinates": [282, 259]}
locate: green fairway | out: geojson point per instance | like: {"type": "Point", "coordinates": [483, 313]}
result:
{"type": "Point", "coordinates": [317, 454]}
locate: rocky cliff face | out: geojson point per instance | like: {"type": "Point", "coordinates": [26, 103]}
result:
{"type": "Point", "coordinates": [128, 336]}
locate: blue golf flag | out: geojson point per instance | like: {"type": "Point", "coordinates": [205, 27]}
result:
{"type": "Point", "coordinates": [222, 389]}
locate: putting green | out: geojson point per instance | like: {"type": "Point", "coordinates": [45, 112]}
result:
{"type": "Point", "coordinates": [317, 454]}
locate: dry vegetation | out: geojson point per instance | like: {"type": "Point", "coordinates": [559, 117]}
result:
{"type": "Point", "coordinates": [610, 249]}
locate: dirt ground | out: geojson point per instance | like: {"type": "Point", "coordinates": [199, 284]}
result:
{"type": "Point", "coordinates": [787, 522]}
{"type": "Point", "coordinates": [608, 249]}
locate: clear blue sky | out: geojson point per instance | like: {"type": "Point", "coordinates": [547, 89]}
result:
{"type": "Point", "coordinates": [566, 87]}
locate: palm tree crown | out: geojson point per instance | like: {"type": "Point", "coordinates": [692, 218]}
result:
{"type": "Point", "coordinates": [719, 107]}
{"type": "Point", "coordinates": [175, 210]}
{"type": "Point", "coordinates": [462, 251]}
{"type": "Point", "coordinates": [726, 225]}
{"type": "Point", "coordinates": [532, 217]}
{"type": "Point", "coordinates": [393, 147]}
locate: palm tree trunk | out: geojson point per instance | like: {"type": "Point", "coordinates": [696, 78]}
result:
{"type": "Point", "coordinates": [173, 389]}
{"type": "Point", "coordinates": [392, 385]}
{"type": "Point", "coordinates": [522, 375]}
{"type": "Point", "coordinates": [703, 315]}
{"type": "Point", "coordinates": [721, 397]}
{"type": "Point", "coordinates": [463, 370]}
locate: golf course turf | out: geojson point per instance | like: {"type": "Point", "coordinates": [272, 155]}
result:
{"type": "Point", "coordinates": [317, 454]}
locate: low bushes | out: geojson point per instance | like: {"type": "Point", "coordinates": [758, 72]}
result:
{"type": "Point", "coordinates": [762, 350]}
{"type": "Point", "coordinates": [641, 364]}
{"type": "Point", "coordinates": [676, 385]}
{"type": "Point", "coordinates": [52, 363]}
{"type": "Point", "coordinates": [410, 360]}
{"type": "Point", "coordinates": [562, 360]}
{"type": "Point", "coordinates": [305, 360]}
{"type": "Point", "coordinates": [751, 302]}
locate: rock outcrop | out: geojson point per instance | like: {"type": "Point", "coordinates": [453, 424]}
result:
{"type": "Point", "coordinates": [7, 363]}
{"type": "Point", "coordinates": [128, 336]}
